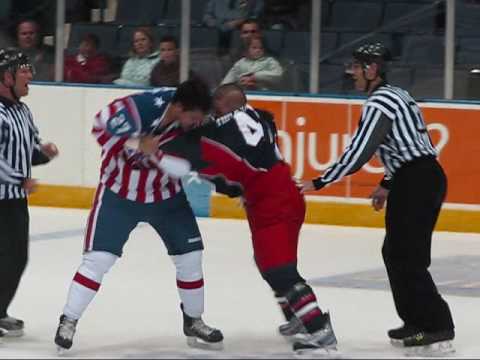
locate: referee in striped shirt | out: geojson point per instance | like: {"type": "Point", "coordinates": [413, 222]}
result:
{"type": "Point", "coordinates": [414, 184]}
{"type": "Point", "coordinates": [20, 148]}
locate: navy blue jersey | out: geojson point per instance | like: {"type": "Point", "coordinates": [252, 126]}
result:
{"type": "Point", "coordinates": [231, 149]}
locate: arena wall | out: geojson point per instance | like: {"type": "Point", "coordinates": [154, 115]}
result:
{"type": "Point", "coordinates": [313, 132]}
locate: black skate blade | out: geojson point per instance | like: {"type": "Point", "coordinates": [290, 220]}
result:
{"type": "Point", "coordinates": [197, 343]}
{"type": "Point", "coordinates": [438, 349]}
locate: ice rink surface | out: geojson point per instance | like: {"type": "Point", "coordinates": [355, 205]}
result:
{"type": "Point", "coordinates": [136, 312]}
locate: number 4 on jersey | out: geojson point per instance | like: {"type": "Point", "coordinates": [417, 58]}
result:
{"type": "Point", "coordinates": [251, 130]}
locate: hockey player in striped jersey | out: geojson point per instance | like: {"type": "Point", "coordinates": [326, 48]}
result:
{"type": "Point", "coordinates": [237, 151]}
{"type": "Point", "coordinates": [133, 188]}
{"type": "Point", "coordinates": [392, 125]}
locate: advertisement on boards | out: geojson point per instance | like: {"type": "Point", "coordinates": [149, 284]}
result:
{"type": "Point", "coordinates": [313, 134]}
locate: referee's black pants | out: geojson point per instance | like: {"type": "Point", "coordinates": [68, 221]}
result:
{"type": "Point", "coordinates": [416, 195]}
{"type": "Point", "coordinates": [14, 229]}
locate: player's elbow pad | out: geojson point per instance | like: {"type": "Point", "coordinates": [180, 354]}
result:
{"type": "Point", "coordinates": [174, 166]}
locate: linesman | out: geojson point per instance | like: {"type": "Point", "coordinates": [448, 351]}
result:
{"type": "Point", "coordinates": [20, 148]}
{"type": "Point", "coordinates": [414, 184]}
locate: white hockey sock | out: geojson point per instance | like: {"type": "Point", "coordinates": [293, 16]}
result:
{"type": "Point", "coordinates": [86, 282]}
{"type": "Point", "coordinates": [190, 282]}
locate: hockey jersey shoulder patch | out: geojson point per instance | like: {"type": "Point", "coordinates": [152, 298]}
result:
{"type": "Point", "coordinates": [121, 124]}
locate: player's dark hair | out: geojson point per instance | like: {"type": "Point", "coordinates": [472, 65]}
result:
{"type": "Point", "coordinates": [193, 94]}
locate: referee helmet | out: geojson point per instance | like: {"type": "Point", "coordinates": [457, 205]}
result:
{"type": "Point", "coordinates": [373, 53]}
{"type": "Point", "coordinates": [12, 59]}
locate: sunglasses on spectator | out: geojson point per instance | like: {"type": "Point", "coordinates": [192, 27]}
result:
{"type": "Point", "coordinates": [249, 31]}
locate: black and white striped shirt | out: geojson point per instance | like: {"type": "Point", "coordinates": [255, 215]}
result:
{"type": "Point", "coordinates": [391, 125]}
{"type": "Point", "coordinates": [18, 139]}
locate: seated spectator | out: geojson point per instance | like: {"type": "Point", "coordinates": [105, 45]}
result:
{"type": "Point", "coordinates": [248, 28]}
{"type": "Point", "coordinates": [42, 11]}
{"type": "Point", "coordinates": [29, 41]}
{"type": "Point", "coordinates": [136, 71]}
{"type": "Point", "coordinates": [167, 71]}
{"type": "Point", "coordinates": [255, 71]}
{"type": "Point", "coordinates": [228, 15]}
{"type": "Point", "coordinates": [87, 66]}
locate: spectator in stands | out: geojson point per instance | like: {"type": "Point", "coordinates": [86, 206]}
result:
{"type": "Point", "coordinates": [29, 41]}
{"type": "Point", "coordinates": [42, 11]}
{"type": "Point", "coordinates": [248, 28]}
{"type": "Point", "coordinates": [167, 71]}
{"type": "Point", "coordinates": [87, 66]}
{"type": "Point", "coordinates": [255, 71]}
{"type": "Point", "coordinates": [137, 69]}
{"type": "Point", "coordinates": [228, 15]}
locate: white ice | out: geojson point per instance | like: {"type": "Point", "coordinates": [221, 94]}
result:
{"type": "Point", "coordinates": [136, 312]}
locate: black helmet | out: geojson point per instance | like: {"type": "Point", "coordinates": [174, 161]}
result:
{"type": "Point", "coordinates": [12, 59]}
{"type": "Point", "coordinates": [372, 52]}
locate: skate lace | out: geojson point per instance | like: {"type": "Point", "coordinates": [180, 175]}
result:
{"type": "Point", "coordinates": [200, 327]}
{"type": "Point", "coordinates": [67, 328]}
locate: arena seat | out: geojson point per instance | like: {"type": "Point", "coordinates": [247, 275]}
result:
{"type": "Point", "coordinates": [423, 49]}
{"type": "Point", "coordinates": [411, 17]}
{"type": "Point", "coordinates": [140, 12]}
{"type": "Point", "coordinates": [348, 15]}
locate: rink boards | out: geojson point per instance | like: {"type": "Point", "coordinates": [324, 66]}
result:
{"type": "Point", "coordinates": [313, 132]}
{"type": "Point", "coordinates": [320, 210]}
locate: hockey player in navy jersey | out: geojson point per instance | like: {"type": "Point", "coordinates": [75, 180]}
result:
{"type": "Point", "coordinates": [134, 187]}
{"type": "Point", "coordinates": [237, 151]}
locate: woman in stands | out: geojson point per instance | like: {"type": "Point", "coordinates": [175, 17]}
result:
{"type": "Point", "coordinates": [137, 69]}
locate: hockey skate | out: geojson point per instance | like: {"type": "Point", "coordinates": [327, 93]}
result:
{"type": "Point", "coordinates": [13, 327]}
{"type": "Point", "coordinates": [322, 341]}
{"type": "Point", "coordinates": [430, 344]}
{"type": "Point", "coordinates": [292, 330]}
{"type": "Point", "coordinates": [65, 332]}
{"type": "Point", "coordinates": [398, 334]}
{"type": "Point", "coordinates": [200, 335]}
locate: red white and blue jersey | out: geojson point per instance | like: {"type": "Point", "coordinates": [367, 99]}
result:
{"type": "Point", "coordinates": [124, 170]}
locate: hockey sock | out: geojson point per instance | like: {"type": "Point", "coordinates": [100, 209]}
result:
{"type": "Point", "coordinates": [190, 282]}
{"type": "Point", "coordinates": [304, 305]}
{"type": "Point", "coordinates": [86, 282]}
{"type": "Point", "coordinates": [284, 306]}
